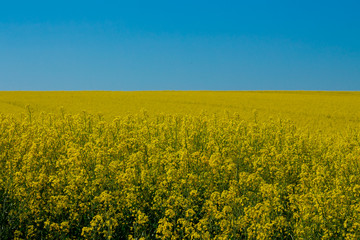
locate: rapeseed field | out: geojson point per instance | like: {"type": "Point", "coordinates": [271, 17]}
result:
{"type": "Point", "coordinates": [179, 165]}
{"type": "Point", "coordinates": [325, 111]}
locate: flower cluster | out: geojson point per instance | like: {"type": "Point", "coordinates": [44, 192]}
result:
{"type": "Point", "coordinates": [175, 177]}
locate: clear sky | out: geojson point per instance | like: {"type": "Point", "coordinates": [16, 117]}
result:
{"type": "Point", "coordinates": [180, 45]}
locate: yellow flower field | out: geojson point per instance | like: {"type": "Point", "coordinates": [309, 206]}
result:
{"type": "Point", "coordinates": [328, 111]}
{"type": "Point", "coordinates": [179, 165]}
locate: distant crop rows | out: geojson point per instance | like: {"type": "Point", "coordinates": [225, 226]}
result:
{"type": "Point", "coordinates": [330, 112]}
{"type": "Point", "coordinates": [175, 176]}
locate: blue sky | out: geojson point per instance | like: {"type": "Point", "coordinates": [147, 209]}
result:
{"type": "Point", "coordinates": [180, 45]}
